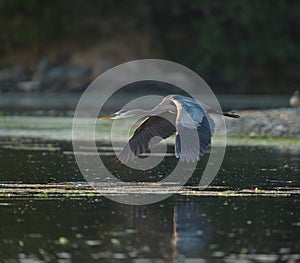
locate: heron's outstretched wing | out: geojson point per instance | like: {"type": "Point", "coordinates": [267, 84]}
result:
{"type": "Point", "coordinates": [188, 148]}
{"type": "Point", "coordinates": [194, 129]}
{"type": "Point", "coordinates": [151, 131]}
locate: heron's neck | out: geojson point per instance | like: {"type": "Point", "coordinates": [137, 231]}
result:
{"type": "Point", "coordinates": [155, 111]}
{"type": "Point", "coordinates": [162, 107]}
{"type": "Point", "coordinates": [142, 112]}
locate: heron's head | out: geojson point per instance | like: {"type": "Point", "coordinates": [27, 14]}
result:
{"type": "Point", "coordinates": [119, 115]}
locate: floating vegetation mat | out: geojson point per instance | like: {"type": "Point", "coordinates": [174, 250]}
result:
{"type": "Point", "coordinates": [83, 190]}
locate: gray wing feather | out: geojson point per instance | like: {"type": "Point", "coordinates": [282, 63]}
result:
{"type": "Point", "coordinates": [150, 132]}
{"type": "Point", "coordinates": [193, 125]}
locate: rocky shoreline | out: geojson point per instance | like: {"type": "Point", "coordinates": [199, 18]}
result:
{"type": "Point", "coordinates": [281, 122]}
{"type": "Point", "coordinates": [48, 76]}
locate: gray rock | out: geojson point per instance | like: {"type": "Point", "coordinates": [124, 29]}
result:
{"type": "Point", "coordinates": [41, 69]}
{"type": "Point", "coordinates": [29, 86]}
{"type": "Point", "coordinates": [67, 72]}
{"type": "Point", "coordinates": [9, 77]}
{"type": "Point", "coordinates": [56, 73]}
{"type": "Point", "coordinates": [15, 74]}
{"type": "Point", "coordinates": [77, 73]}
{"type": "Point", "coordinates": [66, 78]}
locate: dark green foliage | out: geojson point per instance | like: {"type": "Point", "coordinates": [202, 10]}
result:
{"type": "Point", "coordinates": [245, 46]}
{"type": "Point", "coordinates": [241, 46]}
{"type": "Point", "coordinates": [27, 22]}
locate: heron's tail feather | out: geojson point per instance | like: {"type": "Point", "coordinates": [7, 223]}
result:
{"type": "Point", "coordinates": [231, 114]}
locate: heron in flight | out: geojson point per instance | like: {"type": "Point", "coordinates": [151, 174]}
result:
{"type": "Point", "coordinates": [185, 116]}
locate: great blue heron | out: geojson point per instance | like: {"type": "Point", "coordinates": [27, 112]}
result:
{"type": "Point", "coordinates": [183, 115]}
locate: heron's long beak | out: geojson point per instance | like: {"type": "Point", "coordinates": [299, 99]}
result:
{"type": "Point", "coordinates": [107, 118]}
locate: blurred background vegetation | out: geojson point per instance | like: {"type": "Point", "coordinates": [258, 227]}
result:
{"type": "Point", "coordinates": [236, 46]}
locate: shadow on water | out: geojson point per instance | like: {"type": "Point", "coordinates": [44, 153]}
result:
{"type": "Point", "coordinates": [182, 228]}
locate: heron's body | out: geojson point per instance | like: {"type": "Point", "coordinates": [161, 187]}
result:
{"type": "Point", "coordinates": [178, 114]}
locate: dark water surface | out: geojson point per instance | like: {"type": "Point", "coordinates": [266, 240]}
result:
{"type": "Point", "coordinates": [224, 225]}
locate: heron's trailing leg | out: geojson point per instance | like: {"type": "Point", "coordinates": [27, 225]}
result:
{"type": "Point", "coordinates": [227, 114]}
{"type": "Point", "coordinates": [231, 114]}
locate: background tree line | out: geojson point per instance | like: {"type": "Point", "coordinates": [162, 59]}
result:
{"type": "Point", "coordinates": [238, 46]}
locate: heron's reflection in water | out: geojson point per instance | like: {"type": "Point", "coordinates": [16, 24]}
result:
{"type": "Point", "coordinates": [191, 231]}
{"type": "Point", "coordinates": [179, 231]}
